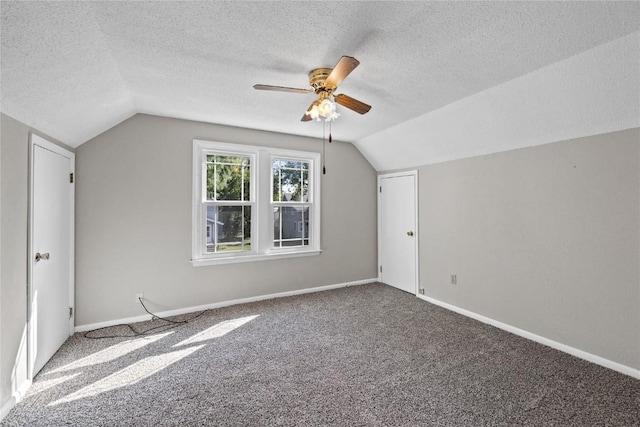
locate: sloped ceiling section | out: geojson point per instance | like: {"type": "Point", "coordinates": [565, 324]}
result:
{"type": "Point", "coordinates": [58, 74]}
{"type": "Point", "coordinates": [75, 69]}
{"type": "Point", "coordinates": [591, 93]}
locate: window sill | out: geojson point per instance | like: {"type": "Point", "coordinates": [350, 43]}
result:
{"type": "Point", "coordinates": [251, 258]}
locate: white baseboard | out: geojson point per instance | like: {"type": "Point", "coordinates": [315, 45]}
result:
{"type": "Point", "coordinates": [176, 312]}
{"type": "Point", "coordinates": [15, 398]}
{"type": "Point", "coordinates": [627, 370]}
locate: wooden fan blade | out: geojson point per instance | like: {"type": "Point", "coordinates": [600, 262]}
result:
{"type": "Point", "coordinates": [352, 103]}
{"type": "Point", "coordinates": [306, 116]}
{"type": "Point", "coordinates": [342, 69]}
{"type": "Point", "coordinates": [282, 89]}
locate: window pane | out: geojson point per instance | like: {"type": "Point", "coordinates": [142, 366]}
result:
{"type": "Point", "coordinates": [228, 228]}
{"type": "Point", "coordinates": [228, 178]}
{"type": "Point", "coordinates": [290, 226]}
{"type": "Point", "coordinates": [246, 180]}
{"type": "Point", "coordinates": [290, 180]}
{"type": "Point", "coordinates": [305, 185]}
{"type": "Point", "coordinates": [211, 182]}
{"type": "Point", "coordinates": [277, 194]}
{"type": "Point", "coordinates": [231, 160]}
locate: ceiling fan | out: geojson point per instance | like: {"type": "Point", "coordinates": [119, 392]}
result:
{"type": "Point", "coordinates": [324, 82]}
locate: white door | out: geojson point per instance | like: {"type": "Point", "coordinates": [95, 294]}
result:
{"type": "Point", "coordinates": [397, 230]}
{"type": "Point", "coordinates": [51, 251]}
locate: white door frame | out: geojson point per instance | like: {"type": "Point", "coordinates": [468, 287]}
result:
{"type": "Point", "coordinates": [414, 174]}
{"type": "Point", "coordinates": [35, 140]}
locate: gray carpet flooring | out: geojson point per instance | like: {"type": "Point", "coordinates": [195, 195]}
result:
{"type": "Point", "coordinates": [367, 355]}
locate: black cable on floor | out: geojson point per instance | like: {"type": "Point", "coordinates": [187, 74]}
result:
{"type": "Point", "coordinates": [172, 324]}
{"type": "Point", "coordinates": [153, 316]}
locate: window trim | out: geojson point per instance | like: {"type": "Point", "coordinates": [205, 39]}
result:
{"type": "Point", "coordinates": [262, 245]}
{"type": "Point", "coordinates": [309, 203]}
{"type": "Point", "coordinates": [205, 203]}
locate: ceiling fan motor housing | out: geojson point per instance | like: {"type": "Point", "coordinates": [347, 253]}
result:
{"type": "Point", "coordinates": [317, 78]}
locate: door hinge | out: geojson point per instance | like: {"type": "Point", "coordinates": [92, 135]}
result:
{"type": "Point", "coordinates": [381, 188]}
{"type": "Point", "coordinates": [71, 177]}
{"type": "Point", "coordinates": [70, 312]}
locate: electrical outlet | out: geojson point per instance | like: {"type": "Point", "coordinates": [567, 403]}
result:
{"type": "Point", "coordinates": [421, 291]}
{"type": "Point", "coordinates": [454, 279]}
{"type": "Point", "coordinates": [139, 296]}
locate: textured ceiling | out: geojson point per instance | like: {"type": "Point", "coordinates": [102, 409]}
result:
{"type": "Point", "coordinates": [75, 69]}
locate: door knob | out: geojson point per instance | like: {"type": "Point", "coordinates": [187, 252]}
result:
{"type": "Point", "coordinates": [409, 233]}
{"type": "Point", "coordinates": [40, 256]}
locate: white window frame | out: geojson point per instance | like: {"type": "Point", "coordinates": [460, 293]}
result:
{"type": "Point", "coordinates": [262, 247]}
{"type": "Point", "coordinates": [311, 197]}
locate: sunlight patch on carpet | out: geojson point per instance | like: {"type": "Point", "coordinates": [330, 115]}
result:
{"type": "Point", "coordinates": [216, 331]}
{"type": "Point", "coordinates": [111, 353]}
{"type": "Point", "coordinates": [130, 375]}
{"type": "Point", "coordinates": [43, 385]}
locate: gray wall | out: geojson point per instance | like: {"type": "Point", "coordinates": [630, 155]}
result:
{"type": "Point", "coordinates": [545, 239]}
{"type": "Point", "coordinates": [13, 270]}
{"type": "Point", "coordinates": [133, 222]}
{"type": "Point", "coordinates": [2, 390]}
{"type": "Point", "coordinates": [13, 264]}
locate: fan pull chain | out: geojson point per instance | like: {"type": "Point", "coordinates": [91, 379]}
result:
{"type": "Point", "coordinates": [324, 148]}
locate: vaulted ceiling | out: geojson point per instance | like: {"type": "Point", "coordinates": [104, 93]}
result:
{"type": "Point", "coordinates": [75, 69]}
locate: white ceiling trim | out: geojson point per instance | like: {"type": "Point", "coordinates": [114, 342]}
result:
{"type": "Point", "coordinates": [591, 93]}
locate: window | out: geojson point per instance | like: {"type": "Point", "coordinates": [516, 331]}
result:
{"type": "Point", "coordinates": [228, 202]}
{"type": "Point", "coordinates": [290, 202]}
{"type": "Point", "coordinates": [253, 203]}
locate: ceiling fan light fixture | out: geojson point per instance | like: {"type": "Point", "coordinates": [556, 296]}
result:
{"type": "Point", "coordinates": [314, 112]}
{"type": "Point", "coordinates": [326, 110]}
